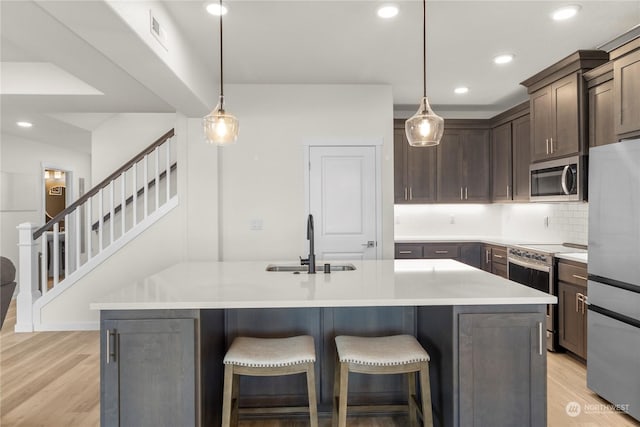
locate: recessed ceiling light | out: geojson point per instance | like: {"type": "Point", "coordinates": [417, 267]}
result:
{"type": "Point", "coordinates": [503, 59]}
{"type": "Point", "coordinates": [24, 124]}
{"type": "Point", "coordinates": [565, 12]}
{"type": "Point", "coordinates": [216, 9]}
{"type": "Point", "coordinates": [461, 90]}
{"type": "Point", "coordinates": [387, 11]}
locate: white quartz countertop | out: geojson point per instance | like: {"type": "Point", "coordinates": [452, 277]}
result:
{"type": "Point", "coordinates": [199, 285]}
{"type": "Point", "coordinates": [574, 256]}
{"type": "Point", "coordinates": [492, 240]}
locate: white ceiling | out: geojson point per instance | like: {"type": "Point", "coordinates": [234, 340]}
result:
{"type": "Point", "coordinates": [314, 42]}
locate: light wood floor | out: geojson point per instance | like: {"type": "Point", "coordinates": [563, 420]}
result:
{"type": "Point", "coordinates": [52, 379]}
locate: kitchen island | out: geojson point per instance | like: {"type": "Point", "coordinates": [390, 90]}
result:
{"type": "Point", "coordinates": [163, 338]}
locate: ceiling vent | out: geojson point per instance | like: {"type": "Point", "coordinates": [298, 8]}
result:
{"type": "Point", "coordinates": [156, 29]}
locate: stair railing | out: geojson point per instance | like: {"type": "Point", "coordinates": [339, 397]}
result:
{"type": "Point", "coordinates": [87, 227]}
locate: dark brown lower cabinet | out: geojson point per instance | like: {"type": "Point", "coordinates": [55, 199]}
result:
{"type": "Point", "coordinates": [572, 307]}
{"type": "Point", "coordinates": [468, 253]}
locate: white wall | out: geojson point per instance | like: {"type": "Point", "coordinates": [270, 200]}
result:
{"type": "Point", "coordinates": [26, 157]}
{"type": "Point", "coordinates": [526, 222]}
{"type": "Point", "coordinates": [262, 175]}
{"type": "Point", "coordinates": [123, 136]}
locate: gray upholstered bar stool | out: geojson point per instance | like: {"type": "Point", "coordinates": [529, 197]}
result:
{"type": "Point", "coordinates": [397, 354]}
{"type": "Point", "coordinates": [268, 357]}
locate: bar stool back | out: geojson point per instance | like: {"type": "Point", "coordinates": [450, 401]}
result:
{"type": "Point", "coordinates": [268, 357]}
{"type": "Point", "coordinates": [398, 354]}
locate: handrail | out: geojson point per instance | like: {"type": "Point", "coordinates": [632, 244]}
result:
{"type": "Point", "coordinates": [129, 200]}
{"type": "Point", "coordinates": [103, 183]}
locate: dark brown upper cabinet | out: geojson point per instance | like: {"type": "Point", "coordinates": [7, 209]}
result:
{"type": "Point", "coordinates": [414, 169]}
{"type": "Point", "coordinates": [510, 155]}
{"type": "Point", "coordinates": [600, 85]}
{"type": "Point", "coordinates": [558, 106]}
{"type": "Point", "coordinates": [626, 87]}
{"type": "Point", "coordinates": [463, 164]}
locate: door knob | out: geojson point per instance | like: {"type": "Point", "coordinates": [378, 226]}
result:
{"type": "Point", "coordinates": [369, 244]}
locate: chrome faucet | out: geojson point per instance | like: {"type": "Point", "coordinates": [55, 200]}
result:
{"type": "Point", "coordinates": [311, 260]}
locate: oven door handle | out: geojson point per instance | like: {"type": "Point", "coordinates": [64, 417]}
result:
{"type": "Point", "coordinates": [538, 267]}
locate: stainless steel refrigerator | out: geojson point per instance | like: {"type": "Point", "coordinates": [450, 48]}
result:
{"type": "Point", "coordinates": [613, 319]}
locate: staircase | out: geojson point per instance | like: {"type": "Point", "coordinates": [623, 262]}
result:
{"type": "Point", "coordinates": [58, 254]}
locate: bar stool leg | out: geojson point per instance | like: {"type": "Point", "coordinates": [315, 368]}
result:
{"type": "Point", "coordinates": [227, 396]}
{"type": "Point", "coordinates": [336, 392]}
{"type": "Point", "coordinates": [425, 389]}
{"type": "Point", "coordinates": [235, 397]}
{"type": "Point", "coordinates": [411, 380]}
{"type": "Point", "coordinates": [344, 384]}
{"type": "Point", "coordinates": [311, 388]}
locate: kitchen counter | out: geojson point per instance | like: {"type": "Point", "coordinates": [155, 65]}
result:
{"type": "Point", "coordinates": [163, 339]}
{"type": "Point", "coordinates": [492, 240]}
{"type": "Point", "coordinates": [211, 285]}
{"type": "Point", "coordinates": [574, 256]}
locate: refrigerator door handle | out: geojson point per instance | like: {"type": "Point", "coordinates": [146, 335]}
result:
{"type": "Point", "coordinates": [615, 316]}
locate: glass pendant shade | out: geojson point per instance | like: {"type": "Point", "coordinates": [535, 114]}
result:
{"type": "Point", "coordinates": [424, 128]}
{"type": "Point", "coordinates": [220, 127]}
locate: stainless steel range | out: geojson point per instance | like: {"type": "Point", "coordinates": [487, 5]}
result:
{"type": "Point", "coordinates": [533, 266]}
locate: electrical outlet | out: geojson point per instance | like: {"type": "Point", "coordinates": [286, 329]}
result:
{"type": "Point", "coordinates": [546, 222]}
{"type": "Point", "coordinates": [255, 225]}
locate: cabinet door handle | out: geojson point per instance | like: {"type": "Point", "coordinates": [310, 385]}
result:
{"type": "Point", "coordinates": [577, 300]}
{"type": "Point", "coordinates": [497, 256]}
{"type": "Point", "coordinates": [405, 193]}
{"type": "Point", "coordinates": [108, 351]}
{"type": "Point", "coordinates": [460, 193]}
{"type": "Point", "coordinates": [579, 277]}
{"type": "Point", "coordinates": [547, 142]}
{"type": "Point", "coordinates": [487, 256]}
{"type": "Point", "coordinates": [551, 144]}
{"type": "Point", "coordinates": [410, 193]}
{"type": "Point", "coordinates": [584, 302]}
{"type": "Point", "coordinates": [442, 252]}
{"type": "Point", "coordinates": [540, 338]}
{"type": "Point", "coordinates": [404, 252]}
{"type": "Point", "coordinates": [507, 191]}
{"type": "Point", "coordinates": [466, 193]}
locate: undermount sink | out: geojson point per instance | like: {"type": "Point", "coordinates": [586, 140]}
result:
{"type": "Point", "coordinates": [304, 268]}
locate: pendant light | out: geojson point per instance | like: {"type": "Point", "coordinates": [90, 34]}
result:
{"type": "Point", "coordinates": [424, 128]}
{"type": "Point", "coordinates": [220, 127]}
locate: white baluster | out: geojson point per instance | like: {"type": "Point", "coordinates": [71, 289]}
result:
{"type": "Point", "coordinates": [112, 212]}
{"type": "Point", "coordinates": [89, 229]}
{"type": "Point", "coordinates": [100, 219]}
{"type": "Point", "coordinates": [157, 152]}
{"type": "Point", "coordinates": [44, 271]}
{"type": "Point", "coordinates": [146, 185]}
{"type": "Point", "coordinates": [55, 250]}
{"type": "Point", "coordinates": [77, 236]}
{"type": "Point", "coordinates": [28, 274]}
{"type": "Point", "coordinates": [67, 235]}
{"type": "Point", "coordinates": [123, 202]}
{"type": "Point", "coordinates": [167, 177]}
{"type": "Point", "coordinates": [135, 194]}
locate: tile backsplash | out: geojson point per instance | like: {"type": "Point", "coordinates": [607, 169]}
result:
{"type": "Point", "coordinates": [529, 222]}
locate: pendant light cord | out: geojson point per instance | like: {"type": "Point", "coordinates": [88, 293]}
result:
{"type": "Point", "coordinates": [424, 47]}
{"type": "Point", "coordinates": [221, 86]}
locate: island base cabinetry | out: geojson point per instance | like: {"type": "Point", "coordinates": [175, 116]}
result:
{"type": "Point", "coordinates": [164, 367]}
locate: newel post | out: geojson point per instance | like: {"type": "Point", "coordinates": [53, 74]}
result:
{"type": "Point", "coordinates": [28, 277]}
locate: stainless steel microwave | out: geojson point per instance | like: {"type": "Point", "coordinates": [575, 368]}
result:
{"type": "Point", "coordinates": [558, 180]}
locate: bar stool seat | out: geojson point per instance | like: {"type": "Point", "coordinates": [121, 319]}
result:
{"type": "Point", "coordinates": [268, 357]}
{"type": "Point", "coordinates": [397, 354]}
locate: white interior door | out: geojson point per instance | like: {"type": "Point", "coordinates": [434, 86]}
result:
{"type": "Point", "coordinates": [342, 200]}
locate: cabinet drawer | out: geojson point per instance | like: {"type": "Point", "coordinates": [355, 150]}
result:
{"type": "Point", "coordinates": [408, 250]}
{"type": "Point", "coordinates": [441, 251]}
{"type": "Point", "coordinates": [572, 274]}
{"type": "Point", "coordinates": [499, 255]}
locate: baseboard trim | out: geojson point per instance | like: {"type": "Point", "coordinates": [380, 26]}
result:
{"type": "Point", "coordinates": [67, 326]}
